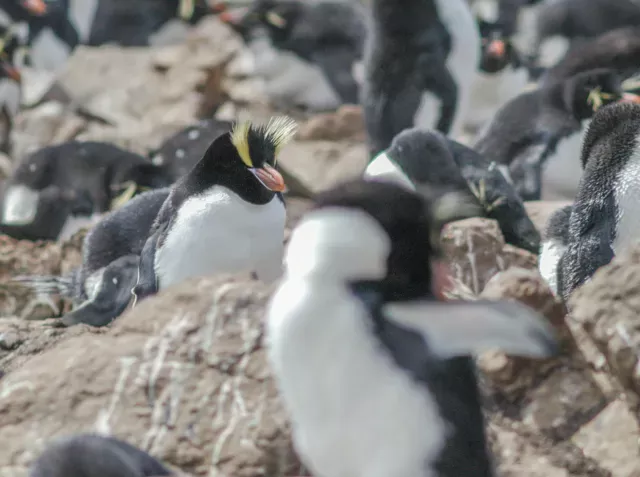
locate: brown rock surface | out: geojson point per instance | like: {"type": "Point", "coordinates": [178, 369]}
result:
{"type": "Point", "coordinates": [345, 123]}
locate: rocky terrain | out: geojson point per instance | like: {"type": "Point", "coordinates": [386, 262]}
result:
{"type": "Point", "coordinates": [183, 375]}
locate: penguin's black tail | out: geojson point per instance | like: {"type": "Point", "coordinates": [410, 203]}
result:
{"type": "Point", "coordinates": [48, 285]}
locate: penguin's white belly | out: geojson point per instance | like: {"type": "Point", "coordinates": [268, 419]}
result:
{"type": "Point", "coordinates": [382, 168]}
{"type": "Point", "coordinates": [627, 197]}
{"type": "Point", "coordinates": [550, 255]}
{"type": "Point", "coordinates": [464, 56]}
{"type": "Point", "coordinates": [48, 51]}
{"type": "Point", "coordinates": [562, 170]}
{"type": "Point", "coordinates": [291, 80]}
{"type": "Point", "coordinates": [552, 50]}
{"type": "Point", "coordinates": [82, 14]}
{"type": "Point", "coordinates": [20, 205]}
{"type": "Point", "coordinates": [218, 232]}
{"type": "Point", "coordinates": [491, 91]}
{"type": "Point", "coordinates": [354, 412]}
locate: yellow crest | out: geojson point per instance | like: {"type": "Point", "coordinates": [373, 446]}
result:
{"type": "Point", "coordinates": [278, 132]}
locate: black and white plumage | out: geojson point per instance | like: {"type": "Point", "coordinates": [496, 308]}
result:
{"type": "Point", "coordinates": [362, 350]}
{"type": "Point", "coordinates": [61, 188]}
{"type": "Point", "coordinates": [179, 153]}
{"type": "Point", "coordinates": [420, 65]}
{"type": "Point", "coordinates": [10, 83]}
{"type": "Point", "coordinates": [417, 158]}
{"type": "Point", "coordinates": [226, 215]}
{"type": "Point", "coordinates": [604, 217]}
{"type": "Point", "coordinates": [93, 455]}
{"type": "Point", "coordinates": [537, 137]}
{"type": "Point", "coordinates": [554, 243]}
{"type": "Point", "coordinates": [100, 289]}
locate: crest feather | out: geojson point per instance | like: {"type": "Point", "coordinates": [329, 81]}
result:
{"type": "Point", "coordinates": [278, 131]}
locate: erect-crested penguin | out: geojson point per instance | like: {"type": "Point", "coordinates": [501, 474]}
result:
{"type": "Point", "coordinates": [604, 218]}
{"type": "Point", "coordinates": [226, 215]}
{"type": "Point", "coordinates": [362, 350]}
{"type": "Point", "coordinates": [93, 455]}
{"type": "Point", "coordinates": [537, 137]}
{"type": "Point", "coordinates": [61, 188]}
{"type": "Point", "coordinates": [420, 65]}
{"type": "Point", "coordinates": [417, 158]}
{"type": "Point", "coordinates": [10, 83]}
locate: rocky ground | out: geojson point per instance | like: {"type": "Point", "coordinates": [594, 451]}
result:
{"type": "Point", "coordinates": [183, 375]}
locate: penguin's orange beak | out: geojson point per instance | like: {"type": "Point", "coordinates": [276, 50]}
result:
{"type": "Point", "coordinates": [36, 7]}
{"type": "Point", "coordinates": [441, 279]}
{"type": "Point", "coordinates": [11, 71]}
{"type": "Point", "coordinates": [497, 48]}
{"type": "Point", "coordinates": [630, 98]}
{"type": "Point", "coordinates": [269, 177]}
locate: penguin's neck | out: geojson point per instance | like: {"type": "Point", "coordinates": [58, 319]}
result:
{"type": "Point", "coordinates": [402, 16]}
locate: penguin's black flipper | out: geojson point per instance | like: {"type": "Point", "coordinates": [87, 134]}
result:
{"type": "Point", "coordinates": [147, 283]}
{"type": "Point", "coordinates": [111, 297]}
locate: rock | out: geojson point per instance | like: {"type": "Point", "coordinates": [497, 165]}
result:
{"type": "Point", "coordinates": [476, 251]}
{"type": "Point", "coordinates": [541, 210]}
{"type": "Point", "coordinates": [345, 123]}
{"type": "Point", "coordinates": [183, 376]}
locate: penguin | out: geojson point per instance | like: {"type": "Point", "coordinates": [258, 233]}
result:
{"type": "Point", "coordinates": [10, 84]}
{"type": "Point", "coordinates": [618, 50]}
{"type": "Point", "coordinates": [100, 289]}
{"type": "Point", "coordinates": [419, 158]}
{"type": "Point", "coordinates": [503, 74]}
{"type": "Point", "coordinates": [182, 151]}
{"type": "Point", "coordinates": [226, 215]}
{"type": "Point", "coordinates": [562, 24]}
{"type": "Point", "coordinates": [555, 241]}
{"type": "Point", "coordinates": [536, 138]}
{"type": "Point", "coordinates": [362, 348]}
{"type": "Point", "coordinates": [420, 64]}
{"type": "Point", "coordinates": [87, 176]}
{"type": "Point", "coordinates": [93, 455]}
{"type": "Point", "coordinates": [603, 220]}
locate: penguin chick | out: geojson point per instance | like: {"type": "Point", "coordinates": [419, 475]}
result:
{"type": "Point", "coordinates": [603, 220]}
{"type": "Point", "coordinates": [226, 215]}
{"type": "Point", "coordinates": [537, 137]}
{"type": "Point", "coordinates": [618, 50]}
{"type": "Point", "coordinates": [92, 174]}
{"type": "Point", "coordinates": [178, 154]}
{"type": "Point", "coordinates": [92, 455]}
{"type": "Point", "coordinates": [100, 289]}
{"type": "Point", "coordinates": [417, 158]}
{"type": "Point", "coordinates": [420, 64]}
{"type": "Point", "coordinates": [555, 241]}
{"type": "Point", "coordinates": [362, 350]}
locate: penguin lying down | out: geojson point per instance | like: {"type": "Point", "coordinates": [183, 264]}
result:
{"type": "Point", "coordinates": [419, 158]}
{"type": "Point", "coordinates": [92, 455]}
{"type": "Point", "coordinates": [362, 349]}
{"type": "Point", "coordinates": [226, 215]}
{"type": "Point", "coordinates": [59, 189]}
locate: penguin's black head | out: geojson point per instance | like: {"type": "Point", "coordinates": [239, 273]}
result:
{"type": "Point", "coordinates": [244, 160]}
{"type": "Point", "coordinates": [587, 92]}
{"type": "Point", "coordinates": [371, 231]}
{"type": "Point", "coordinates": [497, 49]}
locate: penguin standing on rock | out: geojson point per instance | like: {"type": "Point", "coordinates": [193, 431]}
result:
{"type": "Point", "coordinates": [226, 215]}
{"type": "Point", "coordinates": [604, 218]}
{"type": "Point", "coordinates": [362, 349]}
{"type": "Point", "coordinates": [420, 65]}
{"type": "Point", "coordinates": [537, 137]}
{"type": "Point", "coordinates": [418, 158]}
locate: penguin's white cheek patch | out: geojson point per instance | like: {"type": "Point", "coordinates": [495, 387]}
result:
{"type": "Point", "coordinates": [382, 168]}
{"type": "Point", "coordinates": [20, 205]}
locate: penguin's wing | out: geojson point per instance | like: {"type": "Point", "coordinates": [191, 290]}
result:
{"type": "Point", "coordinates": [147, 281]}
{"type": "Point", "coordinates": [453, 329]}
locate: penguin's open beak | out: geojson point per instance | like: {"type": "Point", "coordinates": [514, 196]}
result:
{"type": "Point", "coordinates": [35, 7]}
{"type": "Point", "coordinates": [497, 48]}
{"type": "Point", "coordinates": [630, 98]}
{"type": "Point", "coordinates": [11, 71]}
{"type": "Point", "coordinates": [269, 177]}
{"type": "Point", "coordinates": [441, 279]}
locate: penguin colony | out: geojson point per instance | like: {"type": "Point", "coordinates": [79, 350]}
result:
{"type": "Point", "coordinates": [467, 113]}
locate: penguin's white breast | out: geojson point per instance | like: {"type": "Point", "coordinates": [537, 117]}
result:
{"type": "Point", "coordinates": [550, 255]}
{"type": "Point", "coordinates": [20, 205]}
{"type": "Point", "coordinates": [218, 232]}
{"type": "Point", "coordinates": [48, 51]}
{"type": "Point", "coordinates": [82, 14]}
{"type": "Point", "coordinates": [354, 412]}
{"type": "Point", "coordinates": [627, 197]}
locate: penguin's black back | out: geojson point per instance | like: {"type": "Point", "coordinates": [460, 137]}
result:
{"type": "Point", "coordinates": [608, 146]}
{"type": "Point", "coordinates": [121, 232]}
{"type": "Point", "coordinates": [558, 225]}
{"type": "Point", "coordinates": [89, 455]}
{"type": "Point", "coordinates": [180, 152]}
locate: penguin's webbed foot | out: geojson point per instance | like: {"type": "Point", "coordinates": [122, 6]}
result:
{"type": "Point", "coordinates": [479, 190]}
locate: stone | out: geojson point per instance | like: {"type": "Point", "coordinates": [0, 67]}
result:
{"type": "Point", "coordinates": [345, 123]}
